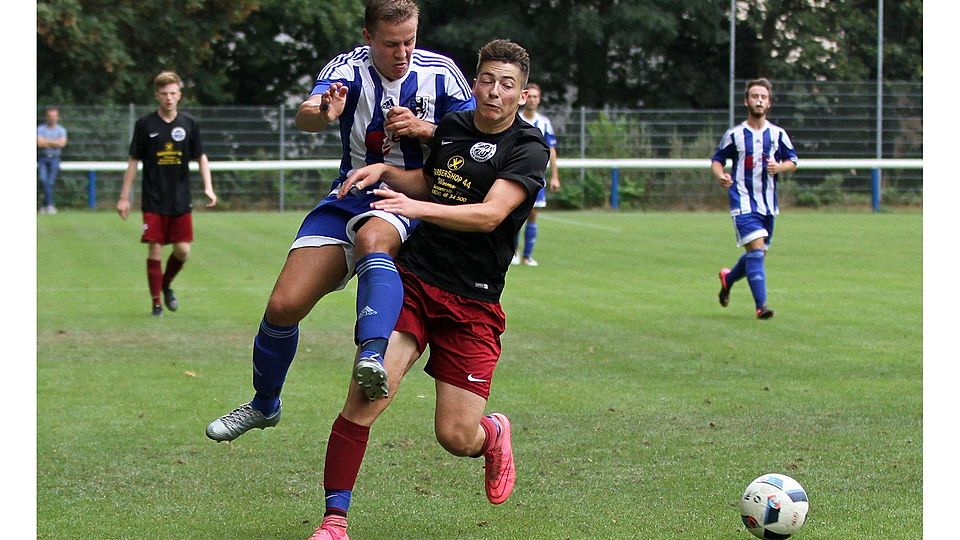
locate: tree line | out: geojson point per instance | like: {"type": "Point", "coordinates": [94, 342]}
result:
{"type": "Point", "coordinates": [594, 53]}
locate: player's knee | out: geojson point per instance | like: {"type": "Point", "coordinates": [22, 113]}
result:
{"type": "Point", "coordinates": [376, 236]}
{"type": "Point", "coordinates": [284, 310]}
{"type": "Point", "coordinates": [458, 442]}
{"type": "Point", "coordinates": [181, 251]}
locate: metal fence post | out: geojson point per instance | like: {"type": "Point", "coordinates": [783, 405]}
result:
{"type": "Point", "coordinates": [875, 177]}
{"type": "Point", "coordinates": [91, 189]}
{"type": "Point", "coordinates": [615, 188]}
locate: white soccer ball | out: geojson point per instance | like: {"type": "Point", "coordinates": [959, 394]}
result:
{"type": "Point", "coordinates": [774, 506]}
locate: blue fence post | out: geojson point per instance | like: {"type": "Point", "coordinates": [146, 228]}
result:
{"type": "Point", "coordinates": [614, 188]}
{"type": "Point", "coordinates": [875, 176]}
{"type": "Point", "coordinates": [91, 189]}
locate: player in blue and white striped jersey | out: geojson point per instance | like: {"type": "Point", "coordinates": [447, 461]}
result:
{"type": "Point", "coordinates": [760, 152]}
{"type": "Point", "coordinates": [532, 116]}
{"type": "Point", "coordinates": [387, 97]}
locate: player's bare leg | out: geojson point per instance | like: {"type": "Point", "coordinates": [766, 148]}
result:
{"type": "Point", "coordinates": [308, 274]}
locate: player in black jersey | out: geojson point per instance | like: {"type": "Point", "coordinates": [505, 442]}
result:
{"type": "Point", "coordinates": [165, 141]}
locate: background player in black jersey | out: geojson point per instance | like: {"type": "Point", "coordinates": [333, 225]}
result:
{"type": "Point", "coordinates": [472, 196]}
{"type": "Point", "coordinates": [166, 141]}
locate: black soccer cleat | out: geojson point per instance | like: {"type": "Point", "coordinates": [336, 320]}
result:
{"type": "Point", "coordinates": [170, 299]}
{"type": "Point", "coordinates": [157, 310]}
{"type": "Point", "coordinates": [764, 312]}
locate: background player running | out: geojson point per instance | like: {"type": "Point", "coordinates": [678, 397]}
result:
{"type": "Point", "coordinates": [760, 151]}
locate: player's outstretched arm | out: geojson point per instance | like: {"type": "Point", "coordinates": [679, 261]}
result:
{"type": "Point", "coordinates": [504, 196]}
{"type": "Point", "coordinates": [321, 109]}
{"type": "Point", "coordinates": [411, 182]}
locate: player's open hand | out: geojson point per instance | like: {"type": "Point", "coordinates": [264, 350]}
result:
{"type": "Point", "coordinates": [396, 203]}
{"type": "Point", "coordinates": [362, 178]}
{"type": "Point", "coordinates": [333, 101]}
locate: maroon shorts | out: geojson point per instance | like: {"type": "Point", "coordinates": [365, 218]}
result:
{"type": "Point", "coordinates": [463, 333]}
{"type": "Point", "coordinates": [163, 229]}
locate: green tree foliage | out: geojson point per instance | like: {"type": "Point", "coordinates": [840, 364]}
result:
{"type": "Point", "coordinates": [596, 53]}
{"type": "Point", "coordinates": [280, 47]}
{"type": "Point", "coordinates": [91, 51]}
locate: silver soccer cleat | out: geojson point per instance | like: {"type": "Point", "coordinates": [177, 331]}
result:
{"type": "Point", "coordinates": [372, 377]}
{"type": "Point", "coordinates": [239, 421]}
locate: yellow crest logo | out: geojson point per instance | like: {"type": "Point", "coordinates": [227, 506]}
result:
{"type": "Point", "coordinates": [455, 163]}
{"type": "Point", "coordinates": [168, 146]}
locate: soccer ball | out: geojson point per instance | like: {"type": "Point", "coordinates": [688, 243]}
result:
{"type": "Point", "coordinates": [774, 506]}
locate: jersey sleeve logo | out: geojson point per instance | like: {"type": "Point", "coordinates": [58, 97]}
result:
{"type": "Point", "coordinates": [178, 134]}
{"type": "Point", "coordinates": [454, 163]}
{"type": "Point", "coordinates": [482, 151]}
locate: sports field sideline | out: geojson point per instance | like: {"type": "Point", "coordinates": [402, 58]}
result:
{"type": "Point", "coordinates": [641, 408]}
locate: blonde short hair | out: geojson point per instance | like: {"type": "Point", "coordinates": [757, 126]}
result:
{"type": "Point", "coordinates": [165, 78]}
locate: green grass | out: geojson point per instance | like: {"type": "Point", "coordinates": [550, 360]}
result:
{"type": "Point", "coordinates": [641, 408]}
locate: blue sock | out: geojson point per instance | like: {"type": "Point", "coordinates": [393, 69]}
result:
{"type": "Point", "coordinates": [757, 276]}
{"type": "Point", "coordinates": [273, 352]}
{"type": "Point", "coordinates": [338, 499]}
{"type": "Point", "coordinates": [379, 300]}
{"type": "Point", "coordinates": [738, 270]}
{"type": "Point", "coordinates": [529, 239]}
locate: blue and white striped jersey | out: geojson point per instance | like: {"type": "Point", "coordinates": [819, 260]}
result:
{"type": "Point", "coordinates": [432, 87]}
{"type": "Point", "coordinates": [542, 123]}
{"type": "Point", "coordinates": [753, 189]}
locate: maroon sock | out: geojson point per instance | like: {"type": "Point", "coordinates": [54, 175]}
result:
{"type": "Point", "coordinates": [173, 268]}
{"type": "Point", "coordinates": [492, 431]}
{"type": "Point", "coordinates": [345, 449]}
{"type": "Point", "coordinates": [154, 279]}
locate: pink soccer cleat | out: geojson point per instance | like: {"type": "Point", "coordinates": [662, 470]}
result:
{"type": "Point", "coordinates": [724, 295]}
{"type": "Point", "coordinates": [333, 528]}
{"type": "Point", "coordinates": [499, 468]}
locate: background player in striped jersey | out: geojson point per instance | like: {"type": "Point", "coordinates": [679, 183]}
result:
{"type": "Point", "coordinates": [760, 152]}
{"type": "Point", "coordinates": [387, 96]}
{"type": "Point", "coordinates": [530, 114]}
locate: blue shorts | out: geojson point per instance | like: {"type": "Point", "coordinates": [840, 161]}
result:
{"type": "Point", "coordinates": [749, 227]}
{"type": "Point", "coordinates": [335, 222]}
{"type": "Point", "coordinates": [541, 201]}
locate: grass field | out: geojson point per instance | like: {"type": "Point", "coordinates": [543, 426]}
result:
{"type": "Point", "coordinates": [641, 408]}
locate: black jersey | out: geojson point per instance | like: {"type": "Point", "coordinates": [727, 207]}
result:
{"type": "Point", "coordinates": [166, 149]}
{"type": "Point", "coordinates": [463, 165]}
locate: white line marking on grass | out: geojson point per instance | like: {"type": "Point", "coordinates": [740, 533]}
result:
{"type": "Point", "coordinates": [46, 290]}
{"type": "Point", "coordinates": [580, 223]}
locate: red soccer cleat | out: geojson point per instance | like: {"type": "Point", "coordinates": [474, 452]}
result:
{"type": "Point", "coordinates": [499, 468]}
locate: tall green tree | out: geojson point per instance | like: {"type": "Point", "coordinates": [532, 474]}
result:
{"type": "Point", "coordinates": [91, 51]}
